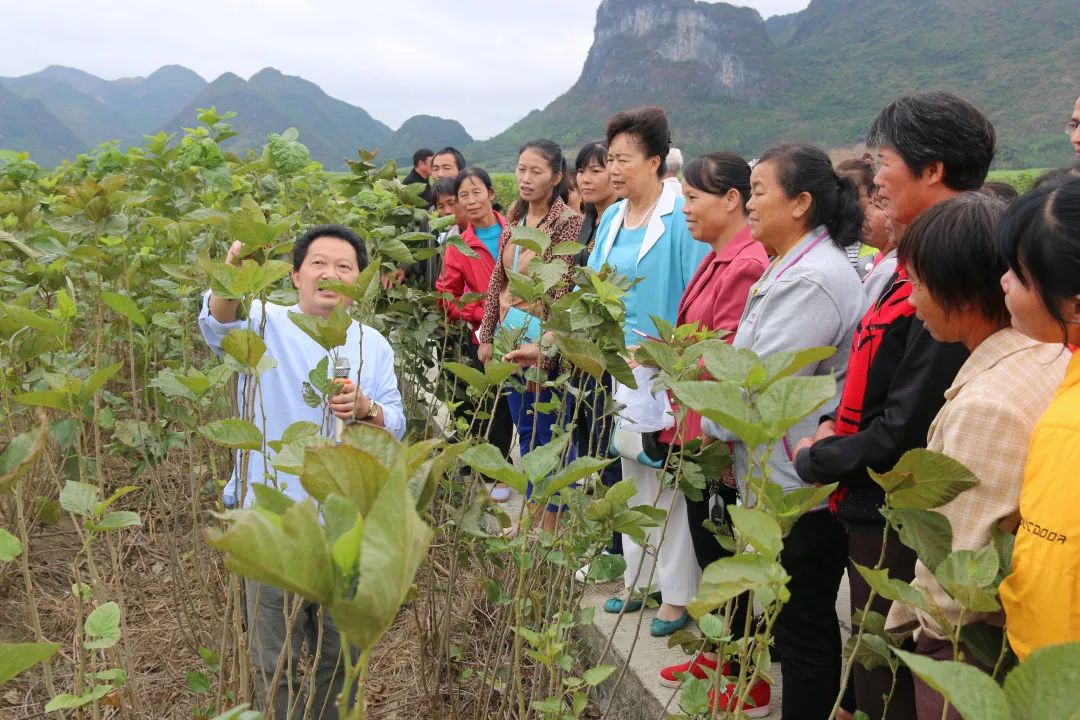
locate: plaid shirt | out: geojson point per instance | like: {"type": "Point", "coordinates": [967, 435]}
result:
{"type": "Point", "coordinates": [986, 424]}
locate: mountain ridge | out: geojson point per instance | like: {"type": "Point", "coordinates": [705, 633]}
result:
{"type": "Point", "coordinates": [727, 78]}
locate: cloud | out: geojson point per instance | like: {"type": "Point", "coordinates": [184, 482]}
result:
{"type": "Point", "coordinates": [486, 64]}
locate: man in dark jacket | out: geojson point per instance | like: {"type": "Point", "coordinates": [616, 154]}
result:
{"type": "Point", "coordinates": [930, 146]}
{"type": "Point", "coordinates": [421, 171]}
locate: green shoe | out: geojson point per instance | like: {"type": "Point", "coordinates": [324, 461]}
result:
{"type": "Point", "coordinates": [663, 628]}
{"type": "Point", "coordinates": [615, 605]}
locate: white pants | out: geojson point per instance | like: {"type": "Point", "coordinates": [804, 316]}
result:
{"type": "Point", "coordinates": [677, 573]}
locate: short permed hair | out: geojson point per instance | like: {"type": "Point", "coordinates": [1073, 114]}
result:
{"type": "Point", "coordinates": [649, 125]}
{"type": "Point", "coordinates": [300, 249]}
{"type": "Point", "coordinates": [950, 248]}
{"type": "Point", "coordinates": [937, 127]}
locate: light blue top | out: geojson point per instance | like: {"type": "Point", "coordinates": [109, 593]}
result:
{"type": "Point", "coordinates": [666, 260]}
{"type": "Point", "coordinates": [490, 237]}
{"type": "Point", "coordinates": [280, 390]}
{"type": "Point", "coordinates": [623, 255]}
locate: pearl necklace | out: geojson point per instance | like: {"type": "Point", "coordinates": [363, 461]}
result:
{"type": "Point", "coordinates": [645, 218]}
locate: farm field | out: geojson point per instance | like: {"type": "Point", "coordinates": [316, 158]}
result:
{"type": "Point", "coordinates": [122, 569]}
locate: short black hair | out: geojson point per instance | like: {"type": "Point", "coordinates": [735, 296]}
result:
{"type": "Point", "coordinates": [474, 172]}
{"type": "Point", "coordinates": [1039, 236]}
{"type": "Point", "coordinates": [719, 172]}
{"type": "Point", "coordinates": [950, 247]}
{"type": "Point", "coordinates": [834, 198]}
{"type": "Point", "coordinates": [443, 186]}
{"type": "Point", "coordinates": [650, 126]}
{"type": "Point", "coordinates": [931, 127]}
{"type": "Point", "coordinates": [1001, 190]}
{"type": "Point", "coordinates": [421, 155]}
{"type": "Point", "coordinates": [300, 249]}
{"type": "Point", "coordinates": [589, 152]}
{"type": "Point", "coordinates": [458, 157]}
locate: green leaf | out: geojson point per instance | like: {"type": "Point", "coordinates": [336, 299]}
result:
{"type": "Point", "coordinates": [788, 362]}
{"type": "Point", "coordinates": [346, 470]}
{"type": "Point", "coordinates": [788, 400]}
{"type": "Point", "coordinates": [757, 528]}
{"type": "Point", "coordinates": [595, 676]}
{"type": "Point", "coordinates": [21, 453]}
{"type": "Point", "coordinates": [584, 354]}
{"type": "Point", "coordinates": [488, 460]}
{"type": "Point", "coordinates": [104, 624]}
{"type": "Point", "coordinates": [328, 332]}
{"type": "Point", "coordinates": [475, 379]}
{"type": "Point", "coordinates": [694, 696]}
{"type": "Point", "coordinates": [926, 532]}
{"type": "Point", "coordinates": [872, 652]}
{"type": "Point", "coordinates": [580, 468]}
{"type": "Point", "coordinates": [197, 682]}
{"type": "Point", "coordinates": [125, 306]}
{"type": "Point", "coordinates": [286, 551]}
{"type": "Point", "coordinates": [394, 544]}
{"type": "Point", "coordinates": [346, 549]}
{"type": "Point", "coordinates": [970, 577]}
{"type": "Point", "coordinates": [96, 381]}
{"type": "Point", "coordinates": [605, 568]}
{"type": "Point", "coordinates": [728, 577]}
{"type": "Point", "coordinates": [972, 692]}
{"type": "Point", "coordinates": [726, 404]}
{"type": "Point", "coordinates": [540, 461]}
{"type": "Point", "coordinates": [233, 433]}
{"type": "Point", "coordinates": [17, 657]}
{"type": "Point", "coordinates": [890, 588]}
{"type": "Point", "coordinates": [45, 398]}
{"type": "Point", "coordinates": [924, 479]}
{"type": "Point", "coordinates": [711, 626]}
{"type": "Point", "coordinates": [10, 547]}
{"type": "Point", "coordinates": [1044, 686]}
{"type": "Point", "coordinates": [725, 362]}
{"type": "Point", "coordinates": [244, 346]}
{"type": "Point", "coordinates": [270, 498]}
{"type": "Point", "coordinates": [116, 520]}
{"type": "Point", "coordinates": [78, 497]}
{"type": "Point", "coordinates": [66, 701]}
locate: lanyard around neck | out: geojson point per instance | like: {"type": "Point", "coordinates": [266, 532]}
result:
{"type": "Point", "coordinates": [802, 253]}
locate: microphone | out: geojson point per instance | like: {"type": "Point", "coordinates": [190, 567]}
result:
{"type": "Point", "coordinates": [341, 371]}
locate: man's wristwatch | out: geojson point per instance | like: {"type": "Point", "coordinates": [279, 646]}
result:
{"type": "Point", "coordinates": [373, 410]}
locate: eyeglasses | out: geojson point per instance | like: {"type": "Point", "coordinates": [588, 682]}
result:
{"type": "Point", "coordinates": [1071, 126]}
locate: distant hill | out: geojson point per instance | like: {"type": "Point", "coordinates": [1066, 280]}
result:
{"type": "Point", "coordinates": [27, 125]}
{"type": "Point", "coordinates": [84, 110]}
{"type": "Point", "coordinates": [730, 80]}
{"type": "Point", "coordinates": [424, 131]}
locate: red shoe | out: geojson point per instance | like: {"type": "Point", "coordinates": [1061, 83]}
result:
{"type": "Point", "coordinates": [757, 702]}
{"type": "Point", "coordinates": [696, 667]}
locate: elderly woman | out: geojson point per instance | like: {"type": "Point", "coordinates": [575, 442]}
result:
{"type": "Point", "coordinates": [645, 238]}
{"type": "Point", "coordinates": [805, 215]}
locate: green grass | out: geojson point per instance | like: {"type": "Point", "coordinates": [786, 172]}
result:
{"type": "Point", "coordinates": [1019, 179]}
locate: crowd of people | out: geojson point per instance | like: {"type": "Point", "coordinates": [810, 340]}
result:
{"type": "Point", "coordinates": [952, 305]}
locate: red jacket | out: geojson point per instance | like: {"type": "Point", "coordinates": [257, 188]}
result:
{"type": "Point", "coordinates": [715, 298]}
{"type": "Point", "coordinates": [461, 275]}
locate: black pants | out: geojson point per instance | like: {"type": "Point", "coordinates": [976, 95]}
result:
{"type": "Point", "coordinates": [592, 435]}
{"type": "Point", "coordinates": [501, 432]}
{"type": "Point", "coordinates": [871, 686]}
{"type": "Point", "coordinates": [708, 550]}
{"type": "Point", "coordinates": [808, 631]}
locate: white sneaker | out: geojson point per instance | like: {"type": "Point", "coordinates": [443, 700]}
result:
{"type": "Point", "coordinates": [583, 573]}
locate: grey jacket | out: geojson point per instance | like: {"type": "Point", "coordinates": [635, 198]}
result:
{"type": "Point", "coordinates": [811, 297]}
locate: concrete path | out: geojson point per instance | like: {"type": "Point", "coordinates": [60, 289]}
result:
{"type": "Point", "coordinates": [640, 696]}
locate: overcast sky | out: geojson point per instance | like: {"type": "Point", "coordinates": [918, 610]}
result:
{"type": "Point", "coordinates": [485, 63]}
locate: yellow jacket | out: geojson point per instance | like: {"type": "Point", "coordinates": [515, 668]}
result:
{"type": "Point", "coordinates": [1041, 595]}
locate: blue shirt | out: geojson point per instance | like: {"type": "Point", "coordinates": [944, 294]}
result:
{"type": "Point", "coordinates": [280, 389]}
{"type": "Point", "coordinates": [623, 257]}
{"type": "Point", "coordinates": [490, 237]}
